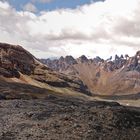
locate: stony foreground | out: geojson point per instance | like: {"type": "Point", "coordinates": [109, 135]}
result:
{"type": "Point", "coordinates": [62, 119]}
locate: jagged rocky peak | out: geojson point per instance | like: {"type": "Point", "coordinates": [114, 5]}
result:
{"type": "Point", "coordinates": [61, 58]}
{"type": "Point", "coordinates": [60, 64]}
{"type": "Point", "coordinates": [134, 62]}
{"type": "Point", "coordinates": [82, 59]}
{"type": "Point", "coordinates": [118, 63]}
{"type": "Point", "coordinates": [110, 64]}
{"type": "Point", "coordinates": [138, 57]}
{"type": "Point", "coordinates": [128, 63]}
{"type": "Point", "coordinates": [70, 60]}
{"type": "Point", "coordinates": [97, 59]}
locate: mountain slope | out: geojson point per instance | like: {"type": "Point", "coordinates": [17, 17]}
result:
{"type": "Point", "coordinates": [18, 66]}
{"type": "Point", "coordinates": [103, 77]}
{"type": "Point", "coordinates": [38, 103]}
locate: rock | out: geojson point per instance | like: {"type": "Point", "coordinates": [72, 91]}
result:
{"type": "Point", "coordinates": [120, 74]}
{"type": "Point", "coordinates": [82, 59]}
{"type": "Point", "coordinates": [15, 58]}
{"type": "Point", "coordinates": [70, 60]}
{"type": "Point", "coordinates": [134, 62]}
{"type": "Point", "coordinates": [98, 60]}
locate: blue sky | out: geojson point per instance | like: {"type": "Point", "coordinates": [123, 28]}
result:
{"type": "Point", "coordinates": [53, 4]}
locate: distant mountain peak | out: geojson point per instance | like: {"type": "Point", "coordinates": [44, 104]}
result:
{"type": "Point", "coordinates": [82, 59]}
{"type": "Point", "coordinates": [103, 76]}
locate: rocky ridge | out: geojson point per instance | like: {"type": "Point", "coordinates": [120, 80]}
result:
{"type": "Point", "coordinates": [118, 76]}
{"type": "Point", "coordinates": [63, 63]}
{"type": "Point", "coordinates": [16, 62]}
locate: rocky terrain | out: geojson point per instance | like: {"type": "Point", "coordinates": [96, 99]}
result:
{"type": "Point", "coordinates": [57, 102]}
{"type": "Point", "coordinates": [93, 77]}
{"type": "Point", "coordinates": [58, 118]}
{"type": "Point", "coordinates": [18, 65]}
{"type": "Point", "coordinates": [120, 76]}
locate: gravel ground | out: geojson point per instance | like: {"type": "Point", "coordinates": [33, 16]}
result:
{"type": "Point", "coordinates": [67, 119]}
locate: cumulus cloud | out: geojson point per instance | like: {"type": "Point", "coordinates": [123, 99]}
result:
{"type": "Point", "coordinates": [101, 28]}
{"type": "Point", "coordinates": [30, 7]}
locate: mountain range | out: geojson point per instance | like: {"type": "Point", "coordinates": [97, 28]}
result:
{"type": "Point", "coordinates": [20, 67]}
{"type": "Point", "coordinates": [68, 98]}
{"type": "Point", "coordinates": [120, 76]}
{"type": "Point", "coordinates": [81, 77]}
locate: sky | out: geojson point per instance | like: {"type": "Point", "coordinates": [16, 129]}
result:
{"type": "Point", "coordinates": [54, 28]}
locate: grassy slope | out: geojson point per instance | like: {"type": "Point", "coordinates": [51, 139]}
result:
{"type": "Point", "coordinates": [27, 88]}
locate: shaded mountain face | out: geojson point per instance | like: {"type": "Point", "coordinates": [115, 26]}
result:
{"type": "Point", "coordinates": [120, 76]}
{"type": "Point", "coordinates": [18, 65]}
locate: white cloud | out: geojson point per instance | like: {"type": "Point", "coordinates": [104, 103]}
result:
{"type": "Point", "coordinates": [101, 28]}
{"type": "Point", "coordinates": [30, 7]}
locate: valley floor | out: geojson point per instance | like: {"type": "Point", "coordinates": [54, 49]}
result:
{"type": "Point", "coordinates": [58, 118]}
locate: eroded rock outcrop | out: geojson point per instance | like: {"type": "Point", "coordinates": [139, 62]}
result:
{"type": "Point", "coordinates": [134, 62]}
{"type": "Point", "coordinates": [14, 59]}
